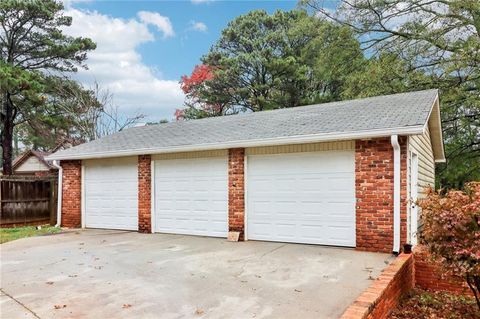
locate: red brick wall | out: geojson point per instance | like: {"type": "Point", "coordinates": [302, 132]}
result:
{"type": "Point", "coordinates": [404, 273]}
{"type": "Point", "coordinates": [144, 193]}
{"type": "Point", "coordinates": [236, 191]}
{"type": "Point", "coordinates": [374, 194]}
{"type": "Point", "coordinates": [71, 193]}
{"type": "Point", "coordinates": [429, 275]}
{"type": "Point", "coordinates": [383, 295]}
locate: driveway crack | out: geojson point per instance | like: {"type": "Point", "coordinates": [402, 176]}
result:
{"type": "Point", "coordinates": [20, 303]}
{"type": "Point", "coordinates": [272, 250]}
{"type": "Point", "coordinates": [242, 268]}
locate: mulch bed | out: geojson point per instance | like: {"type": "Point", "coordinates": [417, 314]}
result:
{"type": "Point", "coordinates": [421, 304]}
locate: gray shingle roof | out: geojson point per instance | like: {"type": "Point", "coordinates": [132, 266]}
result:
{"type": "Point", "coordinates": [404, 113]}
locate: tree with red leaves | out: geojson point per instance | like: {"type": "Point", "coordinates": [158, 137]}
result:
{"type": "Point", "coordinates": [451, 231]}
{"type": "Point", "coordinates": [268, 61]}
{"type": "Point", "coordinates": [198, 104]}
{"type": "Point", "coordinates": [200, 74]}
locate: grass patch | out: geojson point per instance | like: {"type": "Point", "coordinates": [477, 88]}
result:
{"type": "Point", "coordinates": [9, 234]}
{"type": "Point", "coordinates": [421, 304]}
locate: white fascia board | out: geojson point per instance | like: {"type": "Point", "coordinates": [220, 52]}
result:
{"type": "Point", "coordinates": [300, 139]}
{"type": "Point", "coordinates": [436, 104]}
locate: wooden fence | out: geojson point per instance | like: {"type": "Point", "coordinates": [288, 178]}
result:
{"type": "Point", "coordinates": [27, 200]}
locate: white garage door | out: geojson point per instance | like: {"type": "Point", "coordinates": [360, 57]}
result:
{"type": "Point", "coordinates": [302, 198]}
{"type": "Point", "coordinates": [111, 193]}
{"type": "Point", "coordinates": [191, 196]}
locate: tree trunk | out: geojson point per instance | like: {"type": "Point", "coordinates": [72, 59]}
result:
{"type": "Point", "coordinates": [7, 135]}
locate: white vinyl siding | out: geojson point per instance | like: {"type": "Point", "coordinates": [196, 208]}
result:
{"type": "Point", "coordinates": [422, 146]}
{"type": "Point", "coordinates": [32, 164]}
{"type": "Point", "coordinates": [187, 155]}
{"type": "Point", "coordinates": [297, 148]}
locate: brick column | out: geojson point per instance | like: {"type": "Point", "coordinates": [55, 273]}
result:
{"type": "Point", "coordinates": [236, 191]}
{"type": "Point", "coordinates": [71, 193]}
{"type": "Point", "coordinates": [144, 193]}
{"type": "Point", "coordinates": [374, 194]}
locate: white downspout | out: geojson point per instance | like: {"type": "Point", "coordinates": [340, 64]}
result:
{"type": "Point", "coordinates": [396, 194]}
{"type": "Point", "coordinates": [59, 195]}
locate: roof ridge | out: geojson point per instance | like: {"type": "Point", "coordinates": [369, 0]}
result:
{"type": "Point", "coordinates": [282, 109]}
{"type": "Point", "coordinates": [402, 113]}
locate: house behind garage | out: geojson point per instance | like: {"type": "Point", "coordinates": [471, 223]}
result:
{"type": "Point", "coordinates": [343, 174]}
{"type": "Point", "coordinates": [33, 163]}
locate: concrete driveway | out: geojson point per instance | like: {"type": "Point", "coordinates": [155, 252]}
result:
{"type": "Point", "coordinates": [114, 274]}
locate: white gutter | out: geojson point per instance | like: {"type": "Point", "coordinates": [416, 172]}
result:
{"type": "Point", "coordinates": [396, 194]}
{"type": "Point", "coordinates": [299, 139]}
{"type": "Point", "coordinates": [59, 195]}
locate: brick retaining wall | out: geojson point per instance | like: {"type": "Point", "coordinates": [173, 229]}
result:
{"type": "Point", "coordinates": [378, 300]}
{"type": "Point", "coordinates": [430, 276]}
{"type": "Point", "coordinates": [404, 273]}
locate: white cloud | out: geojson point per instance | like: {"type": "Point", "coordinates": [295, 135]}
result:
{"type": "Point", "coordinates": [162, 23]}
{"type": "Point", "coordinates": [198, 26]}
{"type": "Point", "coordinates": [117, 66]}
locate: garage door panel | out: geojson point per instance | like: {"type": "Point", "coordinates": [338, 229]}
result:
{"type": "Point", "coordinates": [313, 234]}
{"type": "Point", "coordinates": [303, 198]}
{"type": "Point", "coordinates": [111, 193]}
{"type": "Point", "coordinates": [340, 210]}
{"type": "Point", "coordinates": [191, 196]}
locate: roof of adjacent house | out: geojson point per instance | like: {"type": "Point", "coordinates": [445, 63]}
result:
{"type": "Point", "coordinates": [40, 155]}
{"type": "Point", "coordinates": [400, 114]}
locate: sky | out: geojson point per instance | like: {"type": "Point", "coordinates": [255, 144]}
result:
{"type": "Point", "coordinates": [144, 47]}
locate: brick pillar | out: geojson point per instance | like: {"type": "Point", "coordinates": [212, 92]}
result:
{"type": "Point", "coordinates": [71, 193]}
{"type": "Point", "coordinates": [236, 191]}
{"type": "Point", "coordinates": [374, 194]}
{"type": "Point", "coordinates": [144, 193]}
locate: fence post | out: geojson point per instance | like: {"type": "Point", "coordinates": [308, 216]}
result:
{"type": "Point", "coordinates": [52, 202]}
{"type": "Point", "coordinates": [1, 203]}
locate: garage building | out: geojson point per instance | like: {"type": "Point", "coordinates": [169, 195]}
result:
{"type": "Point", "coordinates": [342, 174]}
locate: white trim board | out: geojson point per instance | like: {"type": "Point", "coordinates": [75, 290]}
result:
{"type": "Point", "coordinates": [82, 196]}
{"type": "Point", "coordinates": [152, 196]}
{"type": "Point", "coordinates": [299, 139]}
